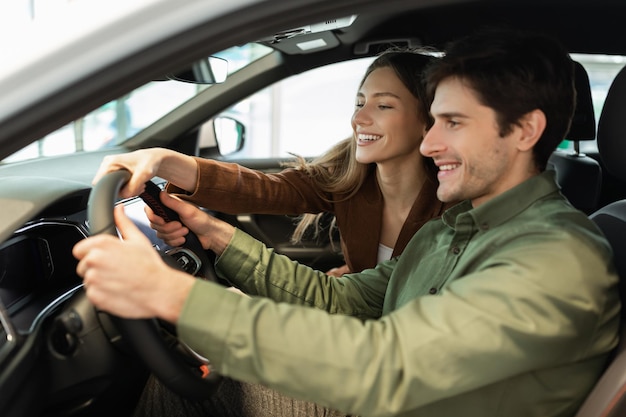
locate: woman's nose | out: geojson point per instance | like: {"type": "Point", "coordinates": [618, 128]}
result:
{"type": "Point", "coordinates": [361, 116]}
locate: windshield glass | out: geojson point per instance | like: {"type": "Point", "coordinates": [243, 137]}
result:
{"type": "Point", "coordinates": [117, 121]}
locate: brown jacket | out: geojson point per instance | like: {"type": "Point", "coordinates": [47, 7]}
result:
{"type": "Point", "coordinates": [233, 189]}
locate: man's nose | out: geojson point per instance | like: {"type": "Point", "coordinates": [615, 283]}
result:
{"type": "Point", "coordinates": [430, 144]}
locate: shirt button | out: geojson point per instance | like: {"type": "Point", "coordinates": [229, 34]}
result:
{"type": "Point", "coordinates": [456, 250]}
{"type": "Point", "coordinates": [433, 291]}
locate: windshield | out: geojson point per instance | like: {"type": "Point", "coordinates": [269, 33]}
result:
{"type": "Point", "coordinates": [119, 120]}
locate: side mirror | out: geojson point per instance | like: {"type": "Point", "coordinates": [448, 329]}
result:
{"type": "Point", "coordinates": [229, 134]}
{"type": "Point", "coordinates": [211, 70]}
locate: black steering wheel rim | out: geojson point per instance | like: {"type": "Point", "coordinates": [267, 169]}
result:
{"type": "Point", "coordinates": [143, 335]}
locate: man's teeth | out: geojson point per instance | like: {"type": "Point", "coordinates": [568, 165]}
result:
{"type": "Point", "coordinates": [369, 137]}
{"type": "Point", "coordinates": [447, 167]}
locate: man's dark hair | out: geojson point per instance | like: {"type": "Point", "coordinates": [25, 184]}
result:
{"type": "Point", "coordinates": [514, 73]}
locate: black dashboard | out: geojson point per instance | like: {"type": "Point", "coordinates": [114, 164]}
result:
{"type": "Point", "coordinates": [38, 268]}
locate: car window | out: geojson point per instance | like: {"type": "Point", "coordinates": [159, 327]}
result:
{"type": "Point", "coordinates": [304, 115]}
{"type": "Point", "coordinates": [120, 119]}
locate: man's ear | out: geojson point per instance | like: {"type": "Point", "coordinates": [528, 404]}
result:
{"type": "Point", "coordinates": [533, 124]}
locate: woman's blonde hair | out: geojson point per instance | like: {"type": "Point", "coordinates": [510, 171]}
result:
{"type": "Point", "coordinates": [337, 172]}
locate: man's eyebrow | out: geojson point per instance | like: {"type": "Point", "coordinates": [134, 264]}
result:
{"type": "Point", "coordinates": [450, 115]}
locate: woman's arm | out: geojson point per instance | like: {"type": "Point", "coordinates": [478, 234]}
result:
{"type": "Point", "coordinates": [175, 167]}
{"type": "Point", "coordinates": [232, 188]}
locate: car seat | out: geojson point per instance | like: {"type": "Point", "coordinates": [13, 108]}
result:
{"type": "Point", "coordinates": [579, 175]}
{"type": "Point", "coordinates": [608, 398]}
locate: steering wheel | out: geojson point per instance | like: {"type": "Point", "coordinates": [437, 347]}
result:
{"type": "Point", "coordinates": [144, 335]}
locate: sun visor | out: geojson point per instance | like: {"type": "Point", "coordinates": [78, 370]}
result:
{"type": "Point", "coordinates": [309, 38]}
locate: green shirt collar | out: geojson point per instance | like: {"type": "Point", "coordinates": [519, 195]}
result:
{"type": "Point", "coordinates": [505, 206]}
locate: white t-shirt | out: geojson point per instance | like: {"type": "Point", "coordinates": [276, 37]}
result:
{"type": "Point", "coordinates": [384, 253]}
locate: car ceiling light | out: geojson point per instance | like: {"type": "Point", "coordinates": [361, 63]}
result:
{"type": "Point", "coordinates": [313, 44]}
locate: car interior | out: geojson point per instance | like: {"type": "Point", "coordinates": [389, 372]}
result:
{"type": "Point", "coordinates": [61, 357]}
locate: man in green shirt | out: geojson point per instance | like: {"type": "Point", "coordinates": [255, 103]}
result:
{"type": "Point", "coordinates": [505, 306]}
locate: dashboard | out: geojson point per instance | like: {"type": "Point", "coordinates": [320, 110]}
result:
{"type": "Point", "coordinates": [38, 268]}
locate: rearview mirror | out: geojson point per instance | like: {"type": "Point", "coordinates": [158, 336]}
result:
{"type": "Point", "coordinates": [211, 70]}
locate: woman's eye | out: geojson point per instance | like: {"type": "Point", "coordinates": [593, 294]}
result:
{"type": "Point", "coordinates": [452, 123]}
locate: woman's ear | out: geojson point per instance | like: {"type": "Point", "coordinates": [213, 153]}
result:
{"type": "Point", "coordinates": [533, 125]}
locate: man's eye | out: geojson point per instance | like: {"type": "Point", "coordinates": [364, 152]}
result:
{"type": "Point", "coordinates": [452, 123]}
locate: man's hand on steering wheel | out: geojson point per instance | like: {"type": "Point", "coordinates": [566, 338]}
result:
{"type": "Point", "coordinates": [120, 275]}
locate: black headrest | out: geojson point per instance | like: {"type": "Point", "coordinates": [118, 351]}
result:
{"type": "Point", "coordinates": [612, 128]}
{"type": "Point", "coordinates": [584, 121]}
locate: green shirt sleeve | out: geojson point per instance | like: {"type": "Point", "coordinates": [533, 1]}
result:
{"type": "Point", "coordinates": [257, 270]}
{"type": "Point", "coordinates": [496, 336]}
